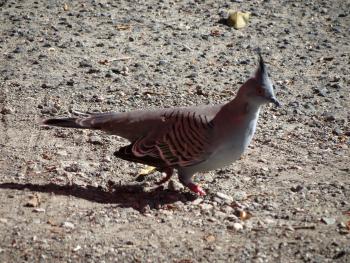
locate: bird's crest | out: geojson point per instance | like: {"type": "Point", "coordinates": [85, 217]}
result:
{"type": "Point", "coordinates": [261, 74]}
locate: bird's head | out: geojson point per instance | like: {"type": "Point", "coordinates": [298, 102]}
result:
{"type": "Point", "coordinates": [258, 90]}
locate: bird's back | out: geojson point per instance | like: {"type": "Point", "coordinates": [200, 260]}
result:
{"type": "Point", "coordinates": [134, 124]}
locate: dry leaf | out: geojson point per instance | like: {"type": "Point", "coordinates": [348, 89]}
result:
{"type": "Point", "coordinates": [65, 7]}
{"type": "Point", "coordinates": [210, 238]}
{"type": "Point", "coordinates": [46, 156]}
{"type": "Point", "coordinates": [348, 225]}
{"type": "Point", "coordinates": [238, 20]}
{"type": "Point", "coordinates": [343, 139]}
{"type": "Point", "coordinates": [122, 27]}
{"type": "Point", "coordinates": [215, 33]}
{"type": "Point", "coordinates": [103, 62]}
{"type": "Point", "coordinates": [34, 201]}
{"type": "Point", "coordinates": [56, 230]}
{"type": "Point", "coordinates": [184, 261]}
{"type": "Point", "coordinates": [51, 222]}
{"type": "Point", "coordinates": [243, 215]}
{"type": "Point", "coordinates": [146, 171]}
{"type": "Point", "coordinates": [169, 207]}
{"type": "Point", "coordinates": [50, 168]}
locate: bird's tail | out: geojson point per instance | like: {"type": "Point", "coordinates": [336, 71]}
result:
{"type": "Point", "coordinates": [87, 121]}
{"type": "Point", "coordinates": [67, 123]}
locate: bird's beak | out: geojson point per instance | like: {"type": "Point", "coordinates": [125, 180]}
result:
{"type": "Point", "coordinates": [275, 101]}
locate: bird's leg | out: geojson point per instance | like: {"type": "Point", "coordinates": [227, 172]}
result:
{"type": "Point", "coordinates": [169, 172]}
{"type": "Point", "coordinates": [196, 189]}
{"type": "Point", "coordinates": [186, 180]}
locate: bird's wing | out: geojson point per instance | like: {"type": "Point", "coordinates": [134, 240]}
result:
{"type": "Point", "coordinates": [183, 140]}
{"type": "Point", "coordinates": [131, 125]}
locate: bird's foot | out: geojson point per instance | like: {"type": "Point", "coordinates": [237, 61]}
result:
{"type": "Point", "coordinates": [196, 189]}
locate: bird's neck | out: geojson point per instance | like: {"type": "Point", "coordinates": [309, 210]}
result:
{"type": "Point", "coordinates": [242, 108]}
{"type": "Point", "coordinates": [237, 123]}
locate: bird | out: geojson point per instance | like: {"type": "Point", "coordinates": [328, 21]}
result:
{"type": "Point", "coordinates": [187, 139]}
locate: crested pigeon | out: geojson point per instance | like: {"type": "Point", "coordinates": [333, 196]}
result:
{"type": "Point", "coordinates": [188, 139]}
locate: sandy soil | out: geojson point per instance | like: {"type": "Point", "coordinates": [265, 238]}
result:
{"type": "Point", "coordinates": [65, 198]}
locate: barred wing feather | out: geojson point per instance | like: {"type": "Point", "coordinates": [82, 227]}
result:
{"type": "Point", "coordinates": [183, 141]}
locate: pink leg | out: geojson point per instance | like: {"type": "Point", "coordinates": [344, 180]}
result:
{"type": "Point", "coordinates": [169, 173]}
{"type": "Point", "coordinates": [185, 178]}
{"type": "Point", "coordinates": [196, 189]}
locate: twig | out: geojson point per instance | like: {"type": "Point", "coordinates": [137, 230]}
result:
{"type": "Point", "coordinates": [304, 227]}
{"type": "Point", "coordinates": [120, 59]}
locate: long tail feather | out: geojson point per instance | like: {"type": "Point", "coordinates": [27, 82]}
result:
{"type": "Point", "coordinates": [69, 123]}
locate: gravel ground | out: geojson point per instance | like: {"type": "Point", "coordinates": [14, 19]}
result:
{"type": "Point", "coordinates": [65, 198]}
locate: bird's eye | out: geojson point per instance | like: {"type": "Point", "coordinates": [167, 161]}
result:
{"type": "Point", "coordinates": [260, 92]}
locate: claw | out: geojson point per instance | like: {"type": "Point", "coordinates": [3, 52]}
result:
{"type": "Point", "coordinates": [196, 189]}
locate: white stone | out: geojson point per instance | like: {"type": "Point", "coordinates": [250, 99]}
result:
{"type": "Point", "coordinates": [68, 225]}
{"type": "Point", "coordinates": [224, 196]}
{"type": "Point", "coordinates": [237, 226]}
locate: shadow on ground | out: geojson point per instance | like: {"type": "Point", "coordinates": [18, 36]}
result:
{"type": "Point", "coordinates": [132, 196]}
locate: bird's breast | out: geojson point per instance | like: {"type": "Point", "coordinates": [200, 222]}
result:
{"type": "Point", "coordinates": [230, 148]}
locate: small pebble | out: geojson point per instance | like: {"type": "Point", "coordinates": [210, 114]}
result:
{"type": "Point", "coordinates": [68, 225]}
{"type": "Point", "coordinates": [337, 132]}
{"type": "Point", "coordinates": [73, 168]}
{"type": "Point", "coordinates": [85, 64]}
{"type": "Point", "coordinates": [174, 185]}
{"type": "Point", "coordinates": [232, 218]}
{"type": "Point", "coordinates": [205, 206]}
{"type": "Point", "coordinates": [235, 226]}
{"type": "Point", "coordinates": [296, 188]}
{"type": "Point", "coordinates": [18, 50]}
{"type": "Point", "coordinates": [3, 220]}
{"type": "Point", "coordinates": [76, 248]}
{"type": "Point", "coordinates": [7, 110]}
{"type": "Point", "coordinates": [70, 82]}
{"type": "Point", "coordinates": [224, 196]}
{"type": "Point", "coordinates": [328, 220]}
{"type": "Point", "coordinates": [62, 153]}
{"type": "Point", "coordinates": [321, 92]}
{"type": "Point", "coordinates": [49, 110]}
{"type": "Point", "coordinates": [197, 201]}
{"type": "Point", "coordinates": [39, 210]}
{"type": "Point", "coordinates": [46, 86]}
{"type": "Point", "coordinates": [329, 117]}
{"type": "Point", "coordinates": [96, 140]}
{"type": "Point", "coordinates": [239, 196]}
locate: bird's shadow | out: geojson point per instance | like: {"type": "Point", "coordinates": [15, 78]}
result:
{"type": "Point", "coordinates": [126, 196]}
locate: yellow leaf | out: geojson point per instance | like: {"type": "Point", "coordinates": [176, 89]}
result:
{"type": "Point", "coordinates": [243, 215]}
{"type": "Point", "coordinates": [238, 19]}
{"type": "Point", "coordinates": [146, 171]}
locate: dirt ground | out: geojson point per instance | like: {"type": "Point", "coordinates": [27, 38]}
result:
{"type": "Point", "coordinates": [65, 198]}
